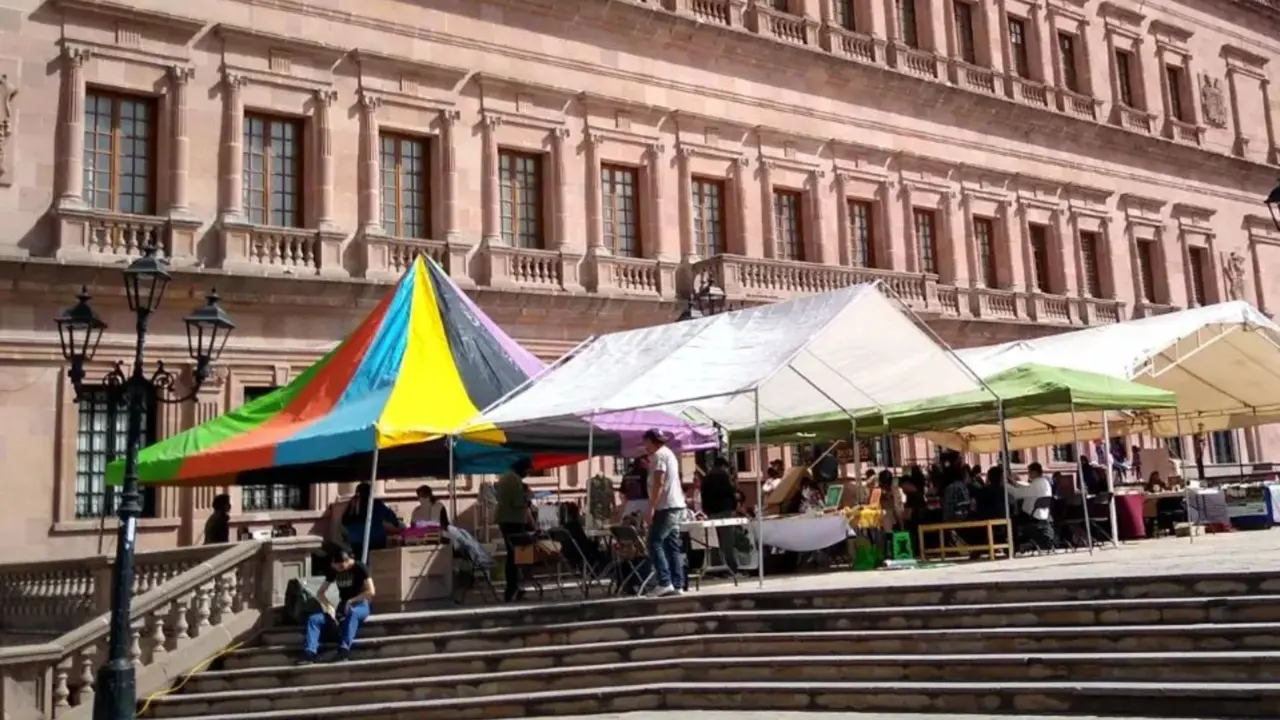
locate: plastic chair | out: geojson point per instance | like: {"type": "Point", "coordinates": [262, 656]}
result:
{"type": "Point", "coordinates": [631, 553]}
{"type": "Point", "coordinates": [900, 547]}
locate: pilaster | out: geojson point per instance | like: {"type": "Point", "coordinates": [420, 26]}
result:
{"type": "Point", "coordinates": [71, 159]}
{"type": "Point", "coordinates": [324, 100]}
{"type": "Point", "coordinates": [233, 148]}
{"type": "Point", "coordinates": [491, 231]}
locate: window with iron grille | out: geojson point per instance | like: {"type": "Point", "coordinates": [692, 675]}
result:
{"type": "Point", "coordinates": [1173, 78]}
{"type": "Point", "coordinates": [789, 241]}
{"type": "Point", "coordinates": [965, 33]}
{"type": "Point", "coordinates": [1147, 269]}
{"type": "Point", "coordinates": [520, 183]}
{"type": "Point", "coordinates": [273, 171]}
{"type": "Point", "coordinates": [405, 183]}
{"type": "Point", "coordinates": [271, 496]}
{"type": "Point", "coordinates": [860, 233]}
{"type": "Point", "coordinates": [1198, 257]}
{"type": "Point", "coordinates": [119, 152]}
{"type": "Point", "coordinates": [908, 32]}
{"type": "Point", "coordinates": [1089, 260]}
{"type": "Point", "coordinates": [621, 207]}
{"type": "Point", "coordinates": [1064, 453]}
{"type": "Point", "coordinates": [1124, 77]}
{"type": "Point", "coordinates": [1018, 46]}
{"type": "Point", "coordinates": [925, 241]}
{"type": "Point", "coordinates": [1067, 59]}
{"type": "Point", "coordinates": [708, 217]}
{"type": "Point", "coordinates": [1040, 257]}
{"type": "Point", "coordinates": [1174, 446]}
{"type": "Point", "coordinates": [983, 230]}
{"type": "Point", "coordinates": [102, 437]}
{"type": "Point", "coordinates": [880, 451]}
{"type": "Point", "coordinates": [1224, 446]}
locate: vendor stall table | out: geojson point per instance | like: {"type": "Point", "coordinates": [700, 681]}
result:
{"type": "Point", "coordinates": [412, 574]}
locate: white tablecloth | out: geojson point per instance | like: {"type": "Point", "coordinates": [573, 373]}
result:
{"type": "Point", "coordinates": [804, 534]}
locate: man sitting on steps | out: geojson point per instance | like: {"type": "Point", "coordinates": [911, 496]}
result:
{"type": "Point", "coordinates": [355, 590]}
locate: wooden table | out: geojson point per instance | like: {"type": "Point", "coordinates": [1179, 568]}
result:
{"type": "Point", "coordinates": [403, 576]}
{"type": "Point", "coordinates": [945, 527]}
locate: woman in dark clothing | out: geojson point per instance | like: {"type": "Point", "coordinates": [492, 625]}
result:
{"type": "Point", "coordinates": [217, 529]}
{"type": "Point", "coordinates": [384, 523]}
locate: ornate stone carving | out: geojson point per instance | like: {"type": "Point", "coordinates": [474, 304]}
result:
{"type": "Point", "coordinates": [1233, 272]}
{"type": "Point", "coordinates": [369, 102]}
{"type": "Point", "coordinates": [8, 91]}
{"type": "Point", "coordinates": [181, 74]}
{"type": "Point", "coordinates": [1214, 102]}
{"type": "Point", "coordinates": [450, 117]}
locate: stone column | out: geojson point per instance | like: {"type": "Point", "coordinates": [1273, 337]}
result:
{"type": "Point", "coordinates": [1241, 139]}
{"type": "Point", "coordinates": [688, 253]}
{"type": "Point", "coordinates": [71, 162]}
{"type": "Point", "coordinates": [770, 233]}
{"type": "Point", "coordinates": [560, 154]}
{"type": "Point", "coordinates": [491, 217]}
{"type": "Point", "coordinates": [993, 20]}
{"type": "Point", "coordinates": [1045, 43]}
{"type": "Point", "coordinates": [233, 148]}
{"type": "Point", "coordinates": [1191, 91]}
{"type": "Point", "coordinates": [179, 80]}
{"type": "Point", "coordinates": [1184, 251]}
{"type": "Point", "coordinates": [846, 254]}
{"type": "Point", "coordinates": [1066, 247]}
{"type": "Point", "coordinates": [657, 194]}
{"type": "Point", "coordinates": [957, 241]}
{"type": "Point", "coordinates": [371, 185]}
{"type": "Point", "coordinates": [449, 120]}
{"type": "Point", "coordinates": [817, 248]}
{"type": "Point", "coordinates": [324, 100]}
{"type": "Point", "coordinates": [1013, 242]}
{"type": "Point", "coordinates": [971, 244]}
{"type": "Point", "coordinates": [893, 235]}
{"type": "Point", "coordinates": [741, 179]}
{"type": "Point", "coordinates": [1269, 121]}
{"type": "Point", "coordinates": [911, 243]}
{"type": "Point", "coordinates": [595, 200]}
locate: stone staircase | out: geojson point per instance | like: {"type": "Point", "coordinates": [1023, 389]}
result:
{"type": "Point", "coordinates": [1201, 646]}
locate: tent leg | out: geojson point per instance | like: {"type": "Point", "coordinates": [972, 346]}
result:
{"type": "Point", "coordinates": [760, 465]}
{"type": "Point", "coordinates": [1081, 490]}
{"type": "Point", "coordinates": [1182, 469]}
{"type": "Point", "coordinates": [1006, 470]}
{"type": "Point", "coordinates": [453, 482]}
{"type": "Point", "coordinates": [368, 510]}
{"type": "Point", "coordinates": [1111, 482]}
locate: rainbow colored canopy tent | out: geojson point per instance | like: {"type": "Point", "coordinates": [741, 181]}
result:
{"type": "Point", "coordinates": [421, 365]}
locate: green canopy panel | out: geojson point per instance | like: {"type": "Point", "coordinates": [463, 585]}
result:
{"type": "Point", "coordinates": [1038, 402]}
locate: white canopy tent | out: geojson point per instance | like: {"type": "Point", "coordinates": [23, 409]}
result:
{"type": "Point", "coordinates": [850, 349]}
{"type": "Point", "coordinates": [1222, 361]}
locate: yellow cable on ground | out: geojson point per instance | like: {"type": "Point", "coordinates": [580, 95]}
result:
{"type": "Point", "coordinates": [146, 704]}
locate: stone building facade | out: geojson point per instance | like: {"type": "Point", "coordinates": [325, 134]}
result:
{"type": "Point", "coordinates": [1007, 168]}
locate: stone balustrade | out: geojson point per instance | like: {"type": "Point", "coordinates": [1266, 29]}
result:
{"type": "Point", "coordinates": [179, 619]}
{"type": "Point", "coordinates": [1146, 309]}
{"type": "Point", "coordinates": [920, 63]}
{"type": "Point", "coordinates": [976, 78]}
{"type": "Point", "coordinates": [1100, 311]}
{"type": "Point", "coordinates": [994, 304]}
{"type": "Point", "coordinates": [1030, 92]}
{"type": "Point", "coordinates": [1134, 119]}
{"type": "Point", "coordinates": [1074, 103]}
{"type": "Point", "coordinates": [853, 45]}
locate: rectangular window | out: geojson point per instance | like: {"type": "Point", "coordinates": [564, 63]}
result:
{"type": "Point", "coordinates": [1173, 78]}
{"type": "Point", "coordinates": [1174, 446]}
{"type": "Point", "coordinates": [880, 451]}
{"type": "Point", "coordinates": [781, 5]}
{"type": "Point", "coordinates": [1064, 453]}
{"type": "Point", "coordinates": [273, 171]}
{"type": "Point", "coordinates": [1040, 257]}
{"type": "Point", "coordinates": [1089, 261]}
{"type": "Point", "coordinates": [860, 234]}
{"type": "Point", "coordinates": [1067, 59]}
{"type": "Point", "coordinates": [925, 241]}
{"type": "Point", "coordinates": [708, 217]}
{"type": "Point", "coordinates": [265, 498]}
{"type": "Point", "coordinates": [119, 153]}
{"type": "Point", "coordinates": [742, 460]}
{"type": "Point", "coordinates": [1199, 259]}
{"type": "Point", "coordinates": [843, 11]}
{"type": "Point", "coordinates": [1124, 77]}
{"type": "Point", "coordinates": [621, 206]}
{"type": "Point", "coordinates": [101, 437]}
{"type": "Point", "coordinates": [1224, 446]}
{"type": "Point", "coordinates": [907, 31]}
{"type": "Point", "coordinates": [1018, 46]}
{"type": "Point", "coordinates": [520, 182]}
{"type": "Point", "coordinates": [787, 230]}
{"type": "Point", "coordinates": [405, 180]}
{"type": "Point", "coordinates": [1147, 269]}
{"type": "Point", "coordinates": [983, 232]}
{"type": "Point", "coordinates": [964, 32]}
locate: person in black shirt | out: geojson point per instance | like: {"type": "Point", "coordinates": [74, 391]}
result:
{"type": "Point", "coordinates": [355, 590]}
{"type": "Point", "coordinates": [720, 501]}
{"type": "Point", "coordinates": [217, 529]}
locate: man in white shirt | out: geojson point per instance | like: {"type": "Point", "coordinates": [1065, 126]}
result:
{"type": "Point", "coordinates": [1034, 523]}
{"type": "Point", "coordinates": [666, 508]}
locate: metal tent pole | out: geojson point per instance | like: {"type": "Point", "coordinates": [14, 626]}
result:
{"type": "Point", "coordinates": [1182, 469]}
{"type": "Point", "coordinates": [453, 482]}
{"type": "Point", "coordinates": [368, 510]}
{"type": "Point", "coordinates": [760, 465]}
{"type": "Point", "coordinates": [1081, 488]}
{"type": "Point", "coordinates": [1006, 471]}
{"type": "Point", "coordinates": [1111, 482]}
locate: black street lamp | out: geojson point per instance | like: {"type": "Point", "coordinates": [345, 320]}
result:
{"type": "Point", "coordinates": [1273, 204]}
{"type": "Point", "coordinates": [79, 331]}
{"type": "Point", "coordinates": [708, 300]}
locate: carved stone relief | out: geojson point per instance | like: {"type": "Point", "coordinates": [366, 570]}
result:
{"type": "Point", "coordinates": [1233, 271]}
{"type": "Point", "coordinates": [8, 91]}
{"type": "Point", "coordinates": [1214, 102]}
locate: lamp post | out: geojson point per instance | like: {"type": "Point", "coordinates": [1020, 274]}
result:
{"type": "Point", "coordinates": [1273, 204]}
{"type": "Point", "coordinates": [707, 300]}
{"type": "Point", "coordinates": [79, 332]}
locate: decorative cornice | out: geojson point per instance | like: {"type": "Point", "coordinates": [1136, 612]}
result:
{"type": "Point", "coordinates": [323, 52]}
{"type": "Point", "coordinates": [82, 51]}
{"type": "Point", "coordinates": [153, 19]}
{"type": "Point", "coordinates": [1168, 32]}
{"type": "Point", "coordinates": [444, 77]}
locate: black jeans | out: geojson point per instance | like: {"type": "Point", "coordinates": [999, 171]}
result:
{"type": "Point", "coordinates": [510, 571]}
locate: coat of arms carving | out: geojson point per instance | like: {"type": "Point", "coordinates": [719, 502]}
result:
{"type": "Point", "coordinates": [1233, 271]}
{"type": "Point", "coordinates": [7, 93]}
{"type": "Point", "coordinates": [1214, 102]}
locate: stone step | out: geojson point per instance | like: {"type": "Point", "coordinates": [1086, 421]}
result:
{"type": "Point", "coordinates": [379, 660]}
{"type": "Point", "coordinates": [1188, 700]}
{"type": "Point", "coordinates": [888, 598]}
{"type": "Point", "coordinates": [415, 629]}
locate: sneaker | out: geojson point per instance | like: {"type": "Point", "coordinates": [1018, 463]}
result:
{"type": "Point", "coordinates": [342, 656]}
{"type": "Point", "coordinates": [306, 659]}
{"type": "Point", "coordinates": [664, 591]}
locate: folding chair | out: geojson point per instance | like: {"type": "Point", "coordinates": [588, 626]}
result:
{"type": "Point", "coordinates": [466, 567]}
{"type": "Point", "coordinates": [631, 554]}
{"type": "Point", "coordinates": [575, 556]}
{"type": "Point", "coordinates": [525, 548]}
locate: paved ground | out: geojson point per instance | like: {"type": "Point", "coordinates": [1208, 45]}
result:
{"type": "Point", "coordinates": [1231, 552]}
{"type": "Point", "coordinates": [715, 715]}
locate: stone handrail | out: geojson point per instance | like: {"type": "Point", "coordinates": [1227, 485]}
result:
{"type": "Point", "coordinates": [51, 597]}
{"type": "Point", "coordinates": [176, 626]}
